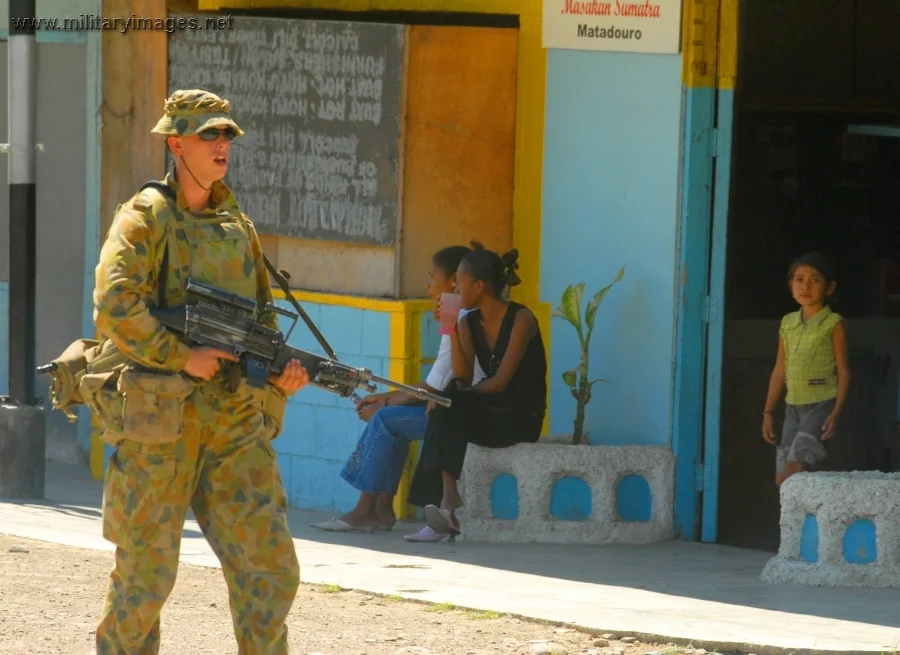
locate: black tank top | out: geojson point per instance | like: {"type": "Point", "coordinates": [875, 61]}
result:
{"type": "Point", "coordinates": [526, 393]}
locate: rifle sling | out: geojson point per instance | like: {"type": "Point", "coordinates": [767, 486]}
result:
{"type": "Point", "coordinates": [169, 194]}
{"type": "Point", "coordinates": [282, 282]}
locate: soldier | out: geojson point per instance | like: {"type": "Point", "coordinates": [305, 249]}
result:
{"type": "Point", "coordinates": [186, 432]}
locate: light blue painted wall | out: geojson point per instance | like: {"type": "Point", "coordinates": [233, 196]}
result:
{"type": "Point", "coordinates": [4, 338]}
{"type": "Point", "coordinates": [321, 429]}
{"type": "Point", "coordinates": [612, 156]}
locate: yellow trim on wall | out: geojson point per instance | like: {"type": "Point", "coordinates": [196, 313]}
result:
{"type": "Point", "coordinates": [710, 44]}
{"type": "Point", "coordinates": [728, 45]}
{"type": "Point", "coordinates": [340, 300]}
{"type": "Point", "coordinates": [700, 43]}
{"type": "Point", "coordinates": [542, 311]}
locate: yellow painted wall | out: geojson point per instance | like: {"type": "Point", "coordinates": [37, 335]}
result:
{"type": "Point", "coordinates": [709, 43]}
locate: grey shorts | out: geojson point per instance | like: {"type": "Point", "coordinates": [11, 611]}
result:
{"type": "Point", "coordinates": [801, 436]}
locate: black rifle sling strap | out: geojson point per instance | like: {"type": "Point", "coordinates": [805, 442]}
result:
{"type": "Point", "coordinates": [279, 278]}
{"type": "Point", "coordinates": [282, 282]}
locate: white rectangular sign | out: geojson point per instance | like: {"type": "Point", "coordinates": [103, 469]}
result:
{"type": "Point", "coordinates": [652, 26]}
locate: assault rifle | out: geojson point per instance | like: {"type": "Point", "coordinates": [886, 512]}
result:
{"type": "Point", "coordinates": [216, 318]}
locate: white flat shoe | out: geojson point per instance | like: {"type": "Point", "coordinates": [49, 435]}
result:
{"type": "Point", "coordinates": [337, 525]}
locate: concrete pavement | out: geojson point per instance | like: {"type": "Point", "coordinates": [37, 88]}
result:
{"type": "Point", "coordinates": [709, 595]}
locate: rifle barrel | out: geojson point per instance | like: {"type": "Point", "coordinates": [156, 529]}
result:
{"type": "Point", "coordinates": [421, 394]}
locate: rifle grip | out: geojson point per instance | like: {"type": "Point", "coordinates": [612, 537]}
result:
{"type": "Point", "coordinates": [233, 377]}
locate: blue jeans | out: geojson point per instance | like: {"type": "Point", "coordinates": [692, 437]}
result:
{"type": "Point", "coordinates": [377, 462]}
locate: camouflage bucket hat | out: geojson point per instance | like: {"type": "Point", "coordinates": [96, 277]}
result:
{"type": "Point", "coordinates": [190, 112]}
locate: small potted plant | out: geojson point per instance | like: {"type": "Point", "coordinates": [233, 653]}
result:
{"type": "Point", "coordinates": [577, 378]}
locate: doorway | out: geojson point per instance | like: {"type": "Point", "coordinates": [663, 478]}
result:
{"type": "Point", "coordinates": [815, 165]}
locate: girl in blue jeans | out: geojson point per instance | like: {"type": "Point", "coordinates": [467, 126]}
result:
{"type": "Point", "coordinates": [394, 420]}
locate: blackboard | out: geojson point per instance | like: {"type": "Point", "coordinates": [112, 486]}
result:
{"type": "Point", "coordinates": [320, 105]}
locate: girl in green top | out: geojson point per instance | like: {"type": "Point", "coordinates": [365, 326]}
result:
{"type": "Point", "coordinates": [812, 363]}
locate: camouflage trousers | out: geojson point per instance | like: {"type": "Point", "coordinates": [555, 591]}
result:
{"type": "Point", "coordinates": [223, 467]}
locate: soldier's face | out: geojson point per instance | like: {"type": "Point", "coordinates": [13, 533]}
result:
{"type": "Point", "coordinates": [206, 154]}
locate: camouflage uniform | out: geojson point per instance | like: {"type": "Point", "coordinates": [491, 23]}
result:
{"type": "Point", "coordinates": [179, 443]}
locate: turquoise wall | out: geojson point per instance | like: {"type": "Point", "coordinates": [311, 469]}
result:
{"type": "Point", "coordinates": [612, 158]}
{"type": "Point", "coordinates": [321, 429]}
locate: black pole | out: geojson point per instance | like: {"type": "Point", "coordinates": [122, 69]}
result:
{"type": "Point", "coordinates": [22, 219]}
{"type": "Point", "coordinates": [22, 437]}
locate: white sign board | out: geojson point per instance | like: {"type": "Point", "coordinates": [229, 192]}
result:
{"type": "Point", "coordinates": [652, 26]}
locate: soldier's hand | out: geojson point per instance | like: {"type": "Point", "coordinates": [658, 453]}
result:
{"type": "Point", "coordinates": [205, 362]}
{"type": "Point", "coordinates": [293, 378]}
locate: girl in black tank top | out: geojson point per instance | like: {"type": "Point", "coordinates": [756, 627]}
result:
{"type": "Point", "coordinates": [504, 409]}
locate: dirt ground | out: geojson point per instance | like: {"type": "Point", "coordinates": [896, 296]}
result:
{"type": "Point", "coordinates": [50, 596]}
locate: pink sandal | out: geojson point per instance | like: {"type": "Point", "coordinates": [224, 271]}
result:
{"type": "Point", "coordinates": [441, 520]}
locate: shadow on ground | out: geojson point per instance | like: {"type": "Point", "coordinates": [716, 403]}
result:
{"type": "Point", "coordinates": [706, 572]}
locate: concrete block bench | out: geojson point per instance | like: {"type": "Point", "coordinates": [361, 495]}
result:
{"type": "Point", "coordinates": [560, 493]}
{"type": "Point", "coordinates": [838, 530]}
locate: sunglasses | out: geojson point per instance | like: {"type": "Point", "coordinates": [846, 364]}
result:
{"type": "Point", "coordinates": [213, 134]}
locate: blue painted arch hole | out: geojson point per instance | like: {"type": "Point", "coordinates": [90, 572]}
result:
{"type": "Point", "coordinates": [570, 499]}
{"type": "Point", "coordinates": [859, 543]}
{"type": "Point", "coordinates": [809, 539]}
{"type": "Point", "coordinates": [505, 497]}
{"type": "Point", "coordinates": [633, 499]}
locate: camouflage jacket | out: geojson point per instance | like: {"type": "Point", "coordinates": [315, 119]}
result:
{"type": "Point", "coordinates": [211, 245]}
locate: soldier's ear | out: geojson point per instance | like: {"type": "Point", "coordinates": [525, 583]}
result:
{"type": "Point", "coordinates": [175, 145]}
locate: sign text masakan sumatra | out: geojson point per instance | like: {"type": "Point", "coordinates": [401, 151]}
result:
{"type": "Point", "coordinates": [652, 26]}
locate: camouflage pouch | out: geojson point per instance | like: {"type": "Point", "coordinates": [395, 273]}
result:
{"type": "Point", "coordinates": [65, 374]}
{"type": "Point", "coordinates": [136, 405]}
{"type": "Point", "coordinates": [153, 405]}
{"type": "Point", "coordinates": [98, 390]}
{"type": "Point", "coordinates": [82, 357]}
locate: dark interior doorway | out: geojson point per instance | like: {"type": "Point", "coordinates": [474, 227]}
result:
{"type": "Point", "coordinates": [815, 166]}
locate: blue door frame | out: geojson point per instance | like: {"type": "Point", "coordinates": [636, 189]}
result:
{"type": "Point", "coordinates": [716, 317]}
{"type": "Point", "coordinates": [710, 38]}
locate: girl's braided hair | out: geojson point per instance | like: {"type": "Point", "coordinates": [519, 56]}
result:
{"type": "Point", "coordinates": [496, 271]}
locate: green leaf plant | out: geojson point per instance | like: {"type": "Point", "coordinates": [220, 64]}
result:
{"type": "Point", "coordinates": [577, 378]}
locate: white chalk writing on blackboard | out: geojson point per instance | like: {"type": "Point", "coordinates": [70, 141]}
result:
{"type": "Point", "coordinates": [319, 102]}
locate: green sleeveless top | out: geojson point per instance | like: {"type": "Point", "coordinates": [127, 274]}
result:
{"type": "Point", "coordinates": [809, 366]}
